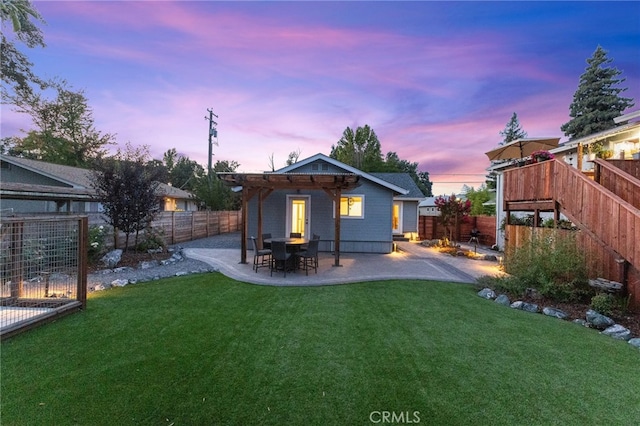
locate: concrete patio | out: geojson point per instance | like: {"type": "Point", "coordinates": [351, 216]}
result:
{"type": "Point", "coordinates": [411, 261]}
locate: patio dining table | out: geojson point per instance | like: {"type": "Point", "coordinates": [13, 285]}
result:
{"type": "Point", "coordinates": [292, 243]}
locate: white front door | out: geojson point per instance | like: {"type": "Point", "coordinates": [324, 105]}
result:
{"type": "Point", "coordinates": [298, 214]}
{"type": "Point", "coordinates": [396, 218]}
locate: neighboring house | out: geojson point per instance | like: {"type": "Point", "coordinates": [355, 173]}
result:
{"type": "Point", "coordinates": [301, 198]}
{"type": "Point", "coordinates": [620, 142]}
{"type": "Point", "coordinates": [32, 186]}
{"type": "Point", "coordinates": [427, 207]}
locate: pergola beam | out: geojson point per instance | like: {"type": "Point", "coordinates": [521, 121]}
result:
{"type": "Point", "coordinates": [265, 183]}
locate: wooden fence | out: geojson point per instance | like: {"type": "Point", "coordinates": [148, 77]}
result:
{"type": "Point", "coordinates": [429, 228]}
{"type": "Point", "coordinates": [177, 227]}
{"type": "Point", "coordinates": [610, 225]}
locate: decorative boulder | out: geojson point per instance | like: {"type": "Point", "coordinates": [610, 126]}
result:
{"type": "Point", "coordinates": [503, 299]}
{"type": "Point", "coordinates": [524, 306]}
{"type": "Point", "coordinates": [119, 282]}
{"type": "Point", "coordinates": [635, 342]}
{"type": "Point", "coordinates": [556, 313]}
{"type": "Point", "coordinates": [487, 293]}
{"type": "Point", "coordinates": [581, 322]}
{"type": "Point", "coordinates": [598, 321]}
{"type": "Point", "coordinates": [490, 257]}
{"type": "Point", "coordinates": [112, 258]}
{"type": "Point", "coordinates": [617, 332]}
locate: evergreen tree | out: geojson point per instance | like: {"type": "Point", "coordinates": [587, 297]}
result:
{"type": "Point", "coordinates": [596, 102]}
{"type": "Point", "coordinates": [512, 131]}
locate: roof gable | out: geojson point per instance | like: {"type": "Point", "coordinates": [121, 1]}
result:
{"type": "Point", "coordinates": [74, 176]}
{"type": "Point", "coordinates": [349, 169]}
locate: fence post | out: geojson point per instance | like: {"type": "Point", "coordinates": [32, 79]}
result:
{"type": "Point", "coordinates": [83, 255]}
{"type": "Point", "coordinates": [16, 262]}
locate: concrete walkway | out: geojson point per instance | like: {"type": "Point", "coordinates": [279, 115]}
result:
{"type": "Point", "coordinates": [411, 261]}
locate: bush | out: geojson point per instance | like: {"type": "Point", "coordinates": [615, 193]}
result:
{"type": "Point", "coordinates": [603, 303]}
{"type": "Point", "coordinates": [151, 239]}
{"type": "Point", "coordinates": [97, 246]}
{"type": "Point", "coordinates": [502, 284]}
{"type": "Point", "coordinates": [552, 263]}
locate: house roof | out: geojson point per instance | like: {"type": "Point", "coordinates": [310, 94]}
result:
{"type": "Point", "coordinates": [369, 176]}
{"type": "Point", "coordinates": [403, 180]}
{"type": "Point", "coordinates": [78, 178]}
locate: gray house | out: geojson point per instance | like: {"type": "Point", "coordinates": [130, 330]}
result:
{"type": "Point", "coordinates": [31, 186]}
{"type": "Point", "coordinates": [307, 196]}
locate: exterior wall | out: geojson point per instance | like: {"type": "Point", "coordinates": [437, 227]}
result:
{"type": "Point", "coordinates": [371, 234]}
{"type": "Point", "coordinates": [15, 174]}
{"type": "Point", "coordinates": [410, 216]}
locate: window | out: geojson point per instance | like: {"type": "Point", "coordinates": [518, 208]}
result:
{"type": "Point", "coordinates": [352, 206]}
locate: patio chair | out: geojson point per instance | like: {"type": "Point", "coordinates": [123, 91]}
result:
{"type": "Point", "coordinates": [309, 258]}
{"type": "Point", "coordinates": [266, 237]}
{"type": "Point", "coordinates": [295, 235]}
{"type": "Point", "coordinates": [261, 258]}
{"type": "Point", "coordinates": [280, 259]}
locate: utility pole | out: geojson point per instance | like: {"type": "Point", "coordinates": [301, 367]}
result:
{"type": "Point", "coordinates": [213, 133]}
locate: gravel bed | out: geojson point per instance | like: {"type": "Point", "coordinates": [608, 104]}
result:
{"type": "Point", "coordinates": [177, 266]}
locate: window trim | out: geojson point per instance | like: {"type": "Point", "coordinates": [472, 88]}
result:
{"type": "Point", "coordinates": [347, 216]}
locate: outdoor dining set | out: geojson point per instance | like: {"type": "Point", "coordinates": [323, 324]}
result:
{"type": "Point", "coordinates": [286, 254]}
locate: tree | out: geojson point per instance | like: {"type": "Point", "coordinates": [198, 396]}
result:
{"type": "Point", "coordinates": [597, 101]}
{"type": "Point", "coordinates": [214, 193]}
{"type": "Point", "coordinates": [15, 67]}
{"type": "Point", "coordinates": [293, 157]}
{"type": "Point", "coordinates": [393, 164]}
{"type": "Point", "coordinates": [65, 133]}
{"type": "Point", "coordinates": [360, 149]}
{"type": "Point", "coordinates": [126, 187]}
{"type": "Point", "coordinates": [512, 131]}
{"type": "Point", "coordinates": [478, 197]}
{"type": "Point", "coordinates": [453, 211]}
{"type": "Point", "coordinates": [183, 172]}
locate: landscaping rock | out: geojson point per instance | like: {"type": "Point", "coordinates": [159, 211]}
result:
{"type": "Point", "coordinates": [581, 322]}
{"type": "Point", "coordinates": [598, 320]}
{"type": "Point", "coordinates": [112, 258]}
{"type": "Point", "coordinates": [503, 299]}
{"type": "Point", "coordinates": [525, 306]}
{"type": "Point", "coordinates": [148, 264]}
{"type": "Point", "coordinates": [490, 257]}
{"type": "Point", "coordinates": [487, 293]}
{"type": "Point", "coordinates": [119, 282]}
{"type": "Point", "coordinates": [635, 342]}
{"type": "Point", "coordinates": [617, 332]}
{"type": "Point", "coordinates": [556, 313]}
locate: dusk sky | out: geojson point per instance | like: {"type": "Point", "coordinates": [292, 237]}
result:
{"type": "Point", "coordinates": [437, 81]}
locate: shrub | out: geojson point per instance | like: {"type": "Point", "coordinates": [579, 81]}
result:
{"type": "Point", "coordinates": [97, 247]}
{"type": "Point", "coordinates": [552, 263]}
{"type": "Point", "coordinates": [603, 303]}
{"type": "Point", "coordinates": [151, 239]}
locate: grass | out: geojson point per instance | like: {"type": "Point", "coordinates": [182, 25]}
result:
{"type": "Point", "coordinates": [206, 349]}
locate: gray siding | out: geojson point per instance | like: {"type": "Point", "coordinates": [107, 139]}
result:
{"type": "Point", "coordinates": [410, 216]}
{"type": "Point", "coordinates": [14, 174]}
{"type": "Point", "coordinates": [372, 234]}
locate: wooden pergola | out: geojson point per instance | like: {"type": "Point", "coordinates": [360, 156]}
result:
{"type": "Point", "coordinates": [263, 184]}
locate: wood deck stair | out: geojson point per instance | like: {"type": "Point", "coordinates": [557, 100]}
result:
{"type": "Point", "coordinates": [606, 208]}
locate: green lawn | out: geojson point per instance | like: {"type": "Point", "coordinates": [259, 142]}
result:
{"type": "Point", "coordinates": [206, 349]}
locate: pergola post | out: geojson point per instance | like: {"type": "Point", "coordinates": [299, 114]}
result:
{"type": "Point", "coordinates": [337, 228]}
